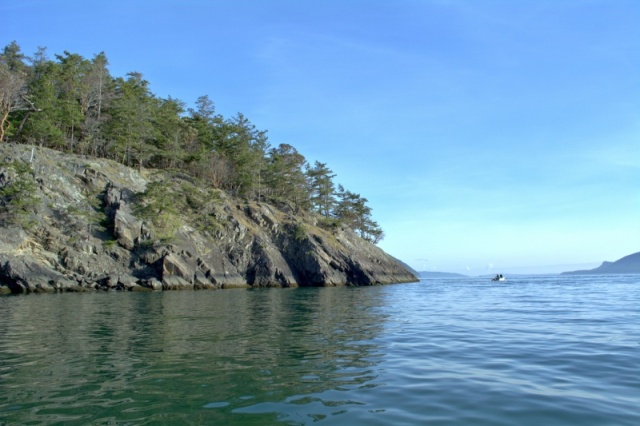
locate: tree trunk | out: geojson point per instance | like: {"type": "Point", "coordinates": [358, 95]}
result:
{"type": "Point", "coordinates": [24, 120]}
{"type": "Point", "coordinates": [4, 120]}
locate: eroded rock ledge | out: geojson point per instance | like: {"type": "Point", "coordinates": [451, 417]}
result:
{"type": "Point", "coordinates": [79, 231]}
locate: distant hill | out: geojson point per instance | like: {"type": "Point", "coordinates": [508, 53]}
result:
{"type": "Point", "coordinates": [429, 274]}
{"type": "Point", "coordinates": [626, 265]}
{"type": "Point", "coordinates": [413, 271]}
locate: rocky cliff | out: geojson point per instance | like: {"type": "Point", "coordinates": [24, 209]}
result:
{"type": "Point", "coordinates": [71, 223]}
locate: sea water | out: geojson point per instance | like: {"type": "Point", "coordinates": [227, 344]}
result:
{"type": "Point", "coordinates": [539, 350]}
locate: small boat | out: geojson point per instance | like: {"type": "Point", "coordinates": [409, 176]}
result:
{"type": "Point", "coordinates": [498, 277]}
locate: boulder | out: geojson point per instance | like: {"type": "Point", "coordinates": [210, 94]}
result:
{"type": "Point", "coordinates": [172, 265]}
{"type": "Point", "coordinates": [151, 284]}
{"type": "Point", "coordinates": [22, 274]}
{"type": "Point", "coordinates": [127, 282]}
{"type": "Point", "coordinates": [127, 229]}
{"type": "Point", "coordinates": [200, 281]}
{"type": "Point", "coordinates": [173, 282]}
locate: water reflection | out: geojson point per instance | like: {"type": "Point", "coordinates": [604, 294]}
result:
{"type": "Point", "coordinates": [249, 355]}
{"type": "Point", "coordinates": [536, 351]}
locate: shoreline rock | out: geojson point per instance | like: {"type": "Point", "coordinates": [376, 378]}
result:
{"type": "Point", "coordinates": [81, 231]}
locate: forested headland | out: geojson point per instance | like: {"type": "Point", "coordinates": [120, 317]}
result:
{"type": "Point", "coordinates": [74, 105]}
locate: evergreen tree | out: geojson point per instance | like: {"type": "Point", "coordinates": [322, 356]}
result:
{"type": "Point", "coordinates": [172, 132]}
{"type": "Point", "coordinates": [100, 92]}
{"type": "Point", "coordinates": [72, 95]}
{"type": "Point", "coordinates": [203, 119]}
{"type": "Point", "coordinates": [14, 59]}
{"type": "Point", "coordinates": [245, 147]}
{"type": "Point", "coordinates": [321, 188]}
{"type": "Point", "coordinates": [43, 127]}
{"type": "Point", "coordinates": [285, 177]}
{"type": "Point", "coordinates": [352, 210]}
{"type": "Point", "coordinates": [131, 125]}
{"type": "Point", "coordinates": [75, 103]}
{"type": "Point", "coordinates": [204, 128]}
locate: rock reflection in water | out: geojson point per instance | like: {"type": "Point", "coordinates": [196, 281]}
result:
{"type": "Point", "coordinates": [261, 354]}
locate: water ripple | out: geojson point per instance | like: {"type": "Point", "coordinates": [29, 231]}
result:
{"type": "Point", "coordinates": [540, 350]}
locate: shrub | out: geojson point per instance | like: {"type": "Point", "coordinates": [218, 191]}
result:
{"type": "Point", "coordinates": [18, 196]}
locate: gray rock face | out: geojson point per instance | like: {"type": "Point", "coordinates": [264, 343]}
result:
{"type": "Point", "coordinates": [82, 232]}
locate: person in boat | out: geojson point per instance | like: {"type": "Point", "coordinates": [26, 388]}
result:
{"type": "Point", "coordinates": [497, 277]}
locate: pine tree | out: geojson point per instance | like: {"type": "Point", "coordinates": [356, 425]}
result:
{"type": "Point", "coordinates": [131, 126]}
{"type": "Point", "coordinates": [245, 147]}
{"type": "Point", "coordinates": [285, 178]}
{"type": "Point", "coordinates": [321, 188]}
{"type": "Point", "coordinates": [75, 103]}
{"type": "Point", "coordinates": [43, 128]}
{"type": "Point", "coordinates": [72, 95]}
{"type": "Point", "coordinates": [171, 133]}
{"type": "Point", "coordinates": [352, 210]}
{"type": "Point", "coordinates": [100, 92]}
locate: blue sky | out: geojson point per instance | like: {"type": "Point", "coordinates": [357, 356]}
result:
{"type": "Point", "coordinates": [488, 135]}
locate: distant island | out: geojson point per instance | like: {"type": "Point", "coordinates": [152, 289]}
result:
{"type": "Point", "coordinates": [106, 186]}
{"type": "Point", "coordinates": [429, 274]}
{"type": "Point", "coordinates": [627, 265]}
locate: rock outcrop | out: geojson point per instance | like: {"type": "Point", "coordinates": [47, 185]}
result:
{"type": "Point", "coordinates": [71, 223]}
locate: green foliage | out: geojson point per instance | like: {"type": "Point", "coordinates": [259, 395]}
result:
{"type": "Point", "coordinates": [352, 210]}
{"type": "Point", "coordinates": [321, 188]}
{"type": "Point", "coordinates": [72, 103]}
{"type": "Point", "coordinates": [329, 223]}
{"type": "Point", "coordinates": [300, 232]}
{"type": "Point", "coordinates": [13, 57]}
{"type": "Point", "coordinates": [105, 222]}
{"type": "Point", "coordinates": [110, 243]}
{"type": "Point", "coordinates": [284, 176]}
{"type": "Point", "coordinates": [165, 204]}
{"type": "Point", "coordinates": [244, 146]}
{"type": "Point", "coordinates": [43, 127]}
{"type": "Point", "coordinates": [18, 198]}
{"type": "Point", "coordinates": [171, 132]}
{"type": "Point", "coordinates": [95, 216]}
{"type": "Point", "coordinates": [200, 207]}
{"type": "Point", "coordinates": [131, 126]}
{"type": "Point", "coordinates": [159, 207]}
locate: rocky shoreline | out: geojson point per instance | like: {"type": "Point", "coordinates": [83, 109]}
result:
{"type": "Point", "coordinates": [74, 223]}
